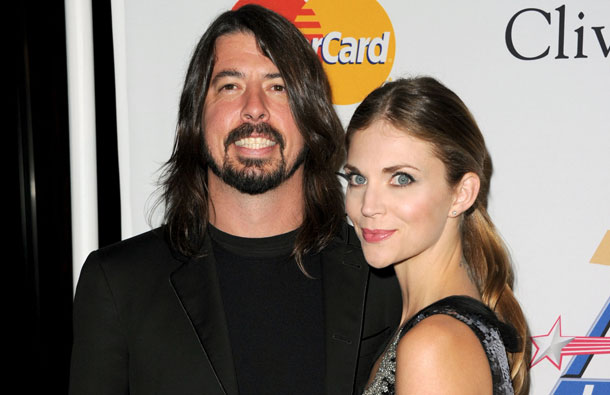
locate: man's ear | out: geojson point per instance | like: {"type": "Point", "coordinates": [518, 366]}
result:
{"type": "Point", "coordinates": [466, 192]}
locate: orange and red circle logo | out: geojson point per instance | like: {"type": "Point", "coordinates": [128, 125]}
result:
{"type": "Point", "coordinates": [355, 41]}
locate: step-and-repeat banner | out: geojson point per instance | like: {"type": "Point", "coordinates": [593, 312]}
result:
{"type": "Point", "coordinates": [536, 75]}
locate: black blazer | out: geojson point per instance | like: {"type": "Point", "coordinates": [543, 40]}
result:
{"type": "Point", "coordinates": [150, 321]}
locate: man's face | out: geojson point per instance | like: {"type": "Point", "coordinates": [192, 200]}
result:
{"type": "Point", "coordinates": [251, 139]}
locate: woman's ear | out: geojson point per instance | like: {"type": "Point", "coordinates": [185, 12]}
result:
{"type": "Point", "coordinates": [466, 192]}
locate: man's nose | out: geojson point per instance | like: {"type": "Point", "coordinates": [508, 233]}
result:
{"type": "Point", "coordinates": [255, 109]}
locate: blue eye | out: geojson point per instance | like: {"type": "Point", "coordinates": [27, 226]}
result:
{"type": "Point", "coordinates": [353, 179]}
{"type": "Point", "coordinates": [356, 179]}
{"type": "Point", "coordinates": [401, 179]}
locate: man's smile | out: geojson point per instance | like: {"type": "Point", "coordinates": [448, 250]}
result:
{"type": "Point", "coordinates": [255, 143]}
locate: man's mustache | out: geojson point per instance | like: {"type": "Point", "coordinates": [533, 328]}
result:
{"type": "Point", "coordinates": [261, 129]}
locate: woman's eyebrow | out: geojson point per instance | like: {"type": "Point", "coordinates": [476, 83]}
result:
{"type": "Point", "coordinates": [393, 169]}
{"type": "Point", "coordinates": [351, 168]}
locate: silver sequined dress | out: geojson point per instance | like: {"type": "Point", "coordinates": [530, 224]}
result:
{"type": "Point", "coordinates": [495, 336]}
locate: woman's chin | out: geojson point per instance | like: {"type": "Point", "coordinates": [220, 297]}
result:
{"type": "Point", "coordinates": [377, 262]}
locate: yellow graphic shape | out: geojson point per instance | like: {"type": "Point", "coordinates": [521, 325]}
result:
{"type": "Point", "coordinates": [360, 45]}
{"type": "Point", "coordinates": [602, 254]}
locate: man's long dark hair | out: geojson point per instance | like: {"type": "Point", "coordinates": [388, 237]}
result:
{"type": "Point", "coordinates": [184, 177]}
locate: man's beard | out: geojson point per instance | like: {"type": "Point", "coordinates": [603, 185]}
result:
{"type": "Point", "coordinates": [253, 178]}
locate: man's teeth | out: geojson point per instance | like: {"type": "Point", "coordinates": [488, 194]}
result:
{"type": "Point", "coordinates": [255, 143]}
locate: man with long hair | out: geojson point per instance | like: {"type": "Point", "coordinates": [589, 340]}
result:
{"type": "Point", "coordinates": [255, 283]}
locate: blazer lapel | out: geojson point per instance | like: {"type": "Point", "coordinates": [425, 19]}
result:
{"type": "Point", "coordinates": [344, 279]}
{"type": "Point", "coordinates": [196, 285]}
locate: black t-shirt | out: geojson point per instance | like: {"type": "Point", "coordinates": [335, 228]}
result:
{"type": "Point", "coordinates": [274, 314]}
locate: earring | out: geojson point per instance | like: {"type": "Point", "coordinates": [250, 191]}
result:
{"type": "Point", "coordinates": [454, 213]}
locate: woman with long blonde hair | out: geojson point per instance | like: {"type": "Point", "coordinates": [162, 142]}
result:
{"type": "Point", "coordinates": [418, 175]}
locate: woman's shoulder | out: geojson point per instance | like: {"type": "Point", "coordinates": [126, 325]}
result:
{"type": "Point", "coordinates": [442, 352]}
{"type": "Point", "coordinates": [439, 334]}
{"type": "Point", "coordinates": [475, 314]}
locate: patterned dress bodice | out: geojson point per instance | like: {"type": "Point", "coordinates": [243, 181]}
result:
{"type": "Point", "coordinates": [496, 338]}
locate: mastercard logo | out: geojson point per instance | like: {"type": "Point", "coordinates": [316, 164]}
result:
{"type": "Point", "coordinates": [355, 41]}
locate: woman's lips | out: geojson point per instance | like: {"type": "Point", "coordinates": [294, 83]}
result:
{"type": "Point", "coordinates": [376, 235]}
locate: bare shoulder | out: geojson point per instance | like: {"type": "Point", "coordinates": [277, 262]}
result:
{"type": "Point", "coordinates": [442, 355]}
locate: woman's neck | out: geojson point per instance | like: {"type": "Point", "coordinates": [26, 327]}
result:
{"type": "Point", "coordinates": [433, 275]}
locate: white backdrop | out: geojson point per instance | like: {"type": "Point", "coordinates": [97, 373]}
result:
{"type": "Point", "coordinates": [546, 121]}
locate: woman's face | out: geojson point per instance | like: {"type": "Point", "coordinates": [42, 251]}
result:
{"type": "Point", "coordinates": [397, 196]}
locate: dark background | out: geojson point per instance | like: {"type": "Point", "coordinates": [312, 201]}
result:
{"type": "Point", "coordinates": [39, 179]}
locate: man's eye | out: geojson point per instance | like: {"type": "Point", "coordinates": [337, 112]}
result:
{"type": "Point", "coordinates": [228, 87]}
{"type": "Point", "coordinates": [401, 179]}
{"type": "Point", "coordinates": [278, 88]}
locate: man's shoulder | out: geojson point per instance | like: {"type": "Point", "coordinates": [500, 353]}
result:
{"type": "Point", "coordinates": [131, 274]}
{"type": "Point", "coordinates": [346, 235]}
{"type": "Point", "coordinates": [143, 251]}
{"type": "Point", "coordinates": [144, 243]}
{"type": "Point", "coordinates": [352, 238]}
